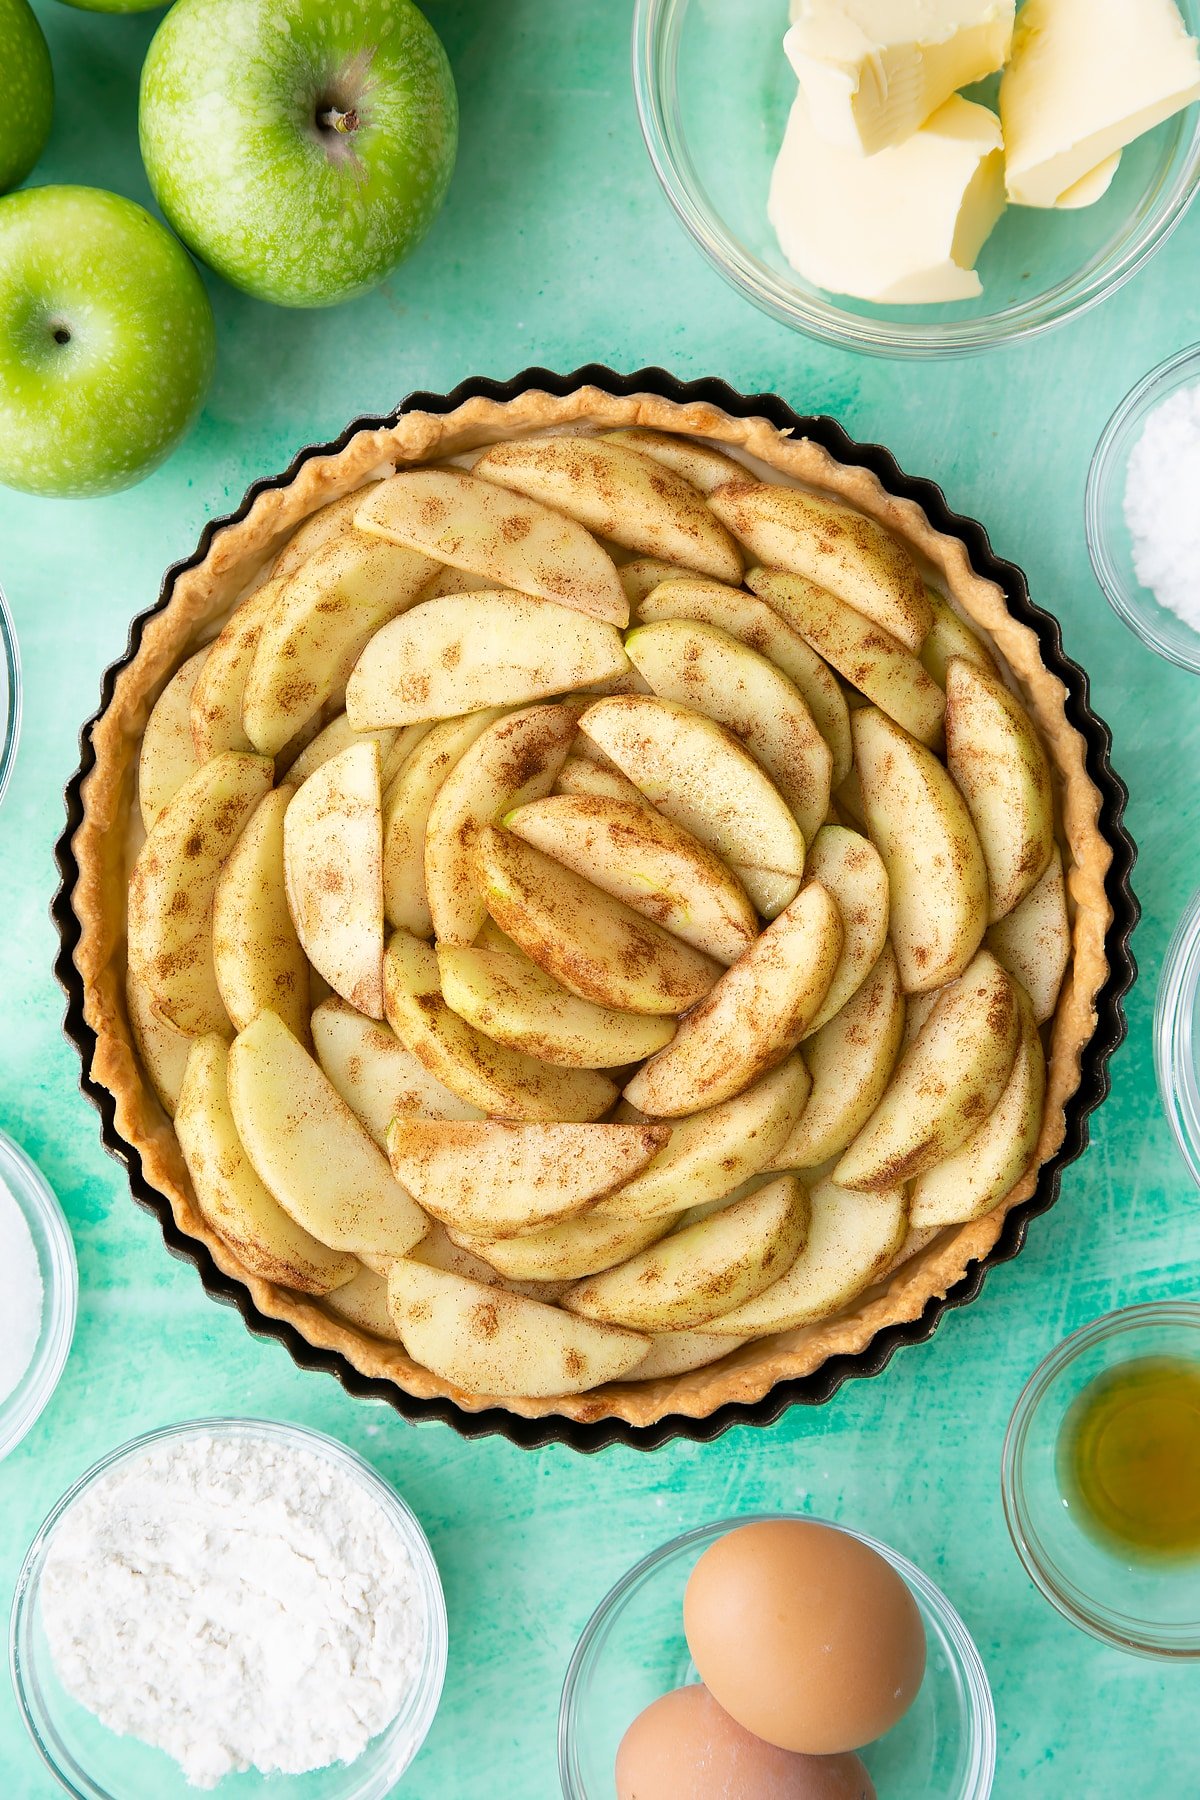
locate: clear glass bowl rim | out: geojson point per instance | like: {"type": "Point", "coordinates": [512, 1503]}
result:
{"type": "Point", "coordinates": [655, 94]}
{"type": "Point", "coordinates": [1126, 604]}
{"type": "Point", "coordinates": [1174, 1012]}
{"type": "Point", "coordinates": [425, 1694]}
{"type": "Point", "coordinates": [10, 674]}
{"type": "Point", "coordinates": [22, 1408]}
{"type": "Point", "coordinates": [981, 1712]}
{"type": "Point", "coordinates": [1181, 1643]}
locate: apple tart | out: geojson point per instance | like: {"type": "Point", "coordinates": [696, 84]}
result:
{"type": "Point", "coordinates": [590, 906]}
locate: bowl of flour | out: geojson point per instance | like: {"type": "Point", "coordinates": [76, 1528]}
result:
{"type": "Point", "coordinates": [233, 1607]}
{"type": "Point", "coordinates": [39, 1288]}
{"type": "Point", "coordinates": [1142, 513]}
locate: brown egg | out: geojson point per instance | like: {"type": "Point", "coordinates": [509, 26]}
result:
{"type": "Point", "coordinates": [808, 1638]}
{"type": "Point", "coordinates": [684, 1747]}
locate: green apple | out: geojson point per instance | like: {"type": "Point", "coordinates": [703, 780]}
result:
{"type": "Point", "coordinates": [26, 92]}
{"type": "Point", "coordinates": [106, 341]}
{"type": "Point", "coordinates": [300, 147]}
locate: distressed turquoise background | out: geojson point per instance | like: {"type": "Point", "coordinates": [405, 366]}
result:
{"type": "Point", "coordinates": [556, 247]}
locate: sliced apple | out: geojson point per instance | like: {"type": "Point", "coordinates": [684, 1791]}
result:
{"type": "Point", "coordinates": [946, 1083]}
{"type": "Point", "coordinates": [851, 1061]}
{"type": "Point", "coordinates": [364, 1304]}
{"type": "Point", "coordinates": [337, 736]}
{"type": "Point", "coordinates": [324, 616]}
{"type": "Point", "coordinates": [488, 1075]}
{"type": "Point", "coordinates": [696, 773]}
{"type": "Point", "coordinates": [644, 573]}
{"type": "Point", "coordinates": [449, 580]}
{"type": "Point", "coordinates": [487, 1341]}
{"type": "Point", "coordinates": [168, 756]}
{"type": "Point", "coordinates": [1002, 771]}
{"type": "Point", "coordinates": [488, 530]}
{"type": "Point", "coordinates": [702, 667]}
{"type": "Point", "coordinates": [216, 705]}
{"type": "Point", "coordinates": [753, 622]}
{"type": "Point", "coordinates": [583, 775]}
{"type": "Point", "coordinates": [320, 528]}
{"type": "Point", "coordinates": [757, 1012]}
{"type": "Point", "coordinates": [172, 886]}
{"type": "Point", "coordinates": [851, 1239]}
{"type": "Point", "coordinates": [407, 739]}
{"type": "Point", "coordinates": [438, 1250]}
{"type": "Point", "coordinates": [647, 861]}
{"type": "Point", "coordinates": [231, 1196]}
{"type": "Point", "coordinates": [992, 1160]}
{"type": "Point", "coordinates": [466, 651]}
{"type": "Point", "coordinates": [851, 869]}
{"type": "Point", "coordinates": [407, 804]}
{"type": "Point", "coordinates": [702, 1270]}
{"type": "Point", "coordinates": [620, 494]}
{"type": "Point", "coordinates": [580, 1246]}
{"type": "Point", "coordinates": [498, 1179]}
{"type": "Point", "coordinates": [874, 662]}
{"type": "Point", "coordinates": [508, 998]}
{"type": "Point", "coordinates": [333, 858]}
{"type": "Point", "coordinates": [678, 1352]}
{"type": "Point", "coordinates": [375, 1075]}
{"type": "Point", "coordinates": [163, 1049]}
{"type": "Point", "coordinates": [841, 550]}
{"type": "Point", "coordinates": [695, 460]}
{"type": "Point", "coordinates": [515, 760]}
{"type": "Point", "coordinates": [712, 1152]}
{"type": "Point", "coordinates": [1033, 942]}
{"type": "Point", "coordinates": [920, 825]}
{"type": "Point", "coordinates": [596, 946]}
{"type": "Point", "coordinates": [949, 635]}
{"type": "Point", "coordinates": [259, 963]}
{"type": "Point", "coordinates": [311, 1151]}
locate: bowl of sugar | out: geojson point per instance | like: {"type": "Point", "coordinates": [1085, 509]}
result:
{"type": "Point", "coordinates": [39, 1288]}
{"type": "Point", "coordinates": [1141, 515]}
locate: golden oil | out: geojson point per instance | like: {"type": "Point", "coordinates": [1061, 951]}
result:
{"type": "Point", "coordinates": [1129, 1457]}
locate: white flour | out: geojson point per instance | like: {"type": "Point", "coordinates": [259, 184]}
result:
{"type": "Point", "coordinates": [21, 1294]}
{"type": "Point", "coordinates": [1162, 504]}
{"type": "Point", "coordinates": [238, 1603]}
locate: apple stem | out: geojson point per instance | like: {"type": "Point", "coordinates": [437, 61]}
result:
{"type": "Point", "coordinates": [334, 119]}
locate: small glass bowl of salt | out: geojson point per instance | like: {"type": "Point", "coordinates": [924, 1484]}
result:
{"type": "Point", "coordinates": [1142, 510]}
{"type": "Point", "coordinates": [39, 1289]}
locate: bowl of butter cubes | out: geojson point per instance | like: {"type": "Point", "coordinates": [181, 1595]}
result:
{"type": "Point", "coordinates": [923, 177]}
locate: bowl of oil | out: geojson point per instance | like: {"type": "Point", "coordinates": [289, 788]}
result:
{"type": "Point", "coordinates": [1101, 1479]}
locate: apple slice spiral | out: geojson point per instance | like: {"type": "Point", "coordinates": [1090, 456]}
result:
{"type": "Point", "coordinates": [724, 860]}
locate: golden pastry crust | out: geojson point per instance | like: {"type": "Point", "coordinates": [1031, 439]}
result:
{"type": "Point", "coordinates": [203, 594]}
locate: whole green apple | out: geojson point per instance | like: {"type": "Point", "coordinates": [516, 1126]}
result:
{"type": "Point", "coordinates": [300, 147]}
{"type": "Point", "coordinates": [26, 92]}
{"type": "Point", "coordinates": [107, 342]}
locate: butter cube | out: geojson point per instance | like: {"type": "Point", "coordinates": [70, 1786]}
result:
{"type": "Point", "coordinates": [1086, 78]}
{"type": "Point", "coordinates": [873, 71]}
{"type": "Point", "coordinates": [902, 228]}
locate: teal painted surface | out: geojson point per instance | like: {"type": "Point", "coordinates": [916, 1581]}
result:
{"type": "Point", "coordinates": [557, 247]}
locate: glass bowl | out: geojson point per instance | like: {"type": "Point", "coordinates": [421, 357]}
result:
{"type": "Point", "coordinates": [60, 1286]}
{"type": "Point", "coordinates": [713, 90]}
{"type": "Point", "coordinates": [1176, 1037]}
{"type": "Point", "coordinates": [633, 1649]}
{"type": "Point", "coordinates": [1109, 542]}
{"type": "Point", "coordinates": [93, 1763]}
{"type": "Point", "coordinates": [1149, 1607]}
{"type": "Point", "coordinates": [10, 694]}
